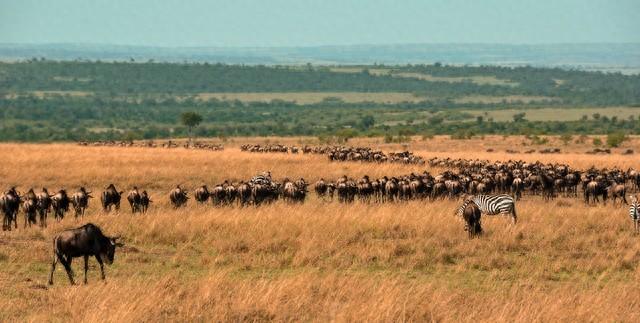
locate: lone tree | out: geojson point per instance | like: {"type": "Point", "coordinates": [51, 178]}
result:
{"type": "Point", "coordinates": [190, 119]}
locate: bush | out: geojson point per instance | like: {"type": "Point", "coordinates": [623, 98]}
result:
{"type": "Point", "coordinates": [566, 138]}
{"type": "Point", "coordinates": [615, 139]}
{"type": "Point", "coordinates": [597, 142]}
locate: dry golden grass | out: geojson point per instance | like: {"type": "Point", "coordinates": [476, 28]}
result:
{"type": "Point", "coordinates": [319, 261]}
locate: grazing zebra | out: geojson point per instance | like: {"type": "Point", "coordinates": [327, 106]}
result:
{"type": "Point", "coordinates": [491, 205]}
{"type": "Point", "coordinates": [634, 212]}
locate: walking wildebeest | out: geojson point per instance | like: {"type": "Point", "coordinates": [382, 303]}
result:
{"type": "Point", "coordinates": [178, 197]}
{"type": "Point", "coordinates": [201, 194]}
{"type": "Point", "coordinates": [44, 205]}
{"type": "Point", "coordinates": [145, 200]}
{"type": "Point", "coordinates": [60, 204]}
{"type": "Point", "coordinates": [111, 197]}
{"type": "Point", "coordinates": [85, 241]}
{"type": "Point", "coordinates": [9, 206]}
{"type": "Point", "coordinates": [80, 201]}
{"type": "Point", "coordinates": [30, 208]}
{"type": "Point", "coordinates": [135, 200]}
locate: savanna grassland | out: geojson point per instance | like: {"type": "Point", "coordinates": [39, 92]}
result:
{"type": "Point", "coordinates": [321, 260]}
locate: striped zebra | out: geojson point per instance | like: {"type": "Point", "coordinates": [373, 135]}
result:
{"type": "Point", "coordinates": [264, 179]}
{"type": "Point", "coordinates": [634, 212]}
{"type": "Point", "coordinates": [491, 205]}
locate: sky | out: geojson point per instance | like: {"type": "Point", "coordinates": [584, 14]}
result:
{"type": "Point", "coordinates": [264, 23]}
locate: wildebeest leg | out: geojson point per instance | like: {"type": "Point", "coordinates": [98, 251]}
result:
{"type": "Point", "coordinates": [67, 266]}
{"type": "Point", "coordinates": [101, 266]}
{"type": "Point", "coordinates": [86, 267]}
{"type": "Point", "coordinates": [53, 268]}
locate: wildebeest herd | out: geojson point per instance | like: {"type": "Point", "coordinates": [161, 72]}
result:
{"type": "Point", "coordinates": [152, 144]}
{"type": "Point", "coordinates": [464, 178]}
{"type": "Point", "coordinates": [340, 153]}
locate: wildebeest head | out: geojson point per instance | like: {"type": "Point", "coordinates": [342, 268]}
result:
{"type": "Point", "coordinates": [108, 250]}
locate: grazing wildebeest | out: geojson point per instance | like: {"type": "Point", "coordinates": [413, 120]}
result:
{"type": "Point", "coordinates": [201, 194]}
{"type": "Point", "coordinates": [111, 197]}
{"type": "Point", "coordinates": [85, 241]}
{"type": "Point", "coordinates": [80, 201]}
{"type": "Point", "coordinates": [135, 200]}
{"type": "Point", "coordinates": [60, 204]}
{"type": "Point", "coordinates": [178, 197]}
{"type": "Point", "coordinates": [44, 205]}
{"type": "Point", "coordinates": [30, 208]}
{"type": "Point", "coordinates": [9, 206]}
{"type": "Point", "coordinates": [471, 214]}
{"type": "Point", "coordinates": [145, 200]}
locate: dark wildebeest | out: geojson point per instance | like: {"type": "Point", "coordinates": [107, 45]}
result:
{"type": "Point", "coordinates": [44, 205]}
{"type": "Point", "coordinates": [135, 200]}
{"type": "Point", "coordinates": [230, 192]}
{"type": "Point", "coordinates": [517, 186]}
{"type": "Point", "coordinates": [30, 208]}
{"type": "Point", "coordinates": [60, 204]}
{"type": "Point", "coordinates": [592, 190]}
{"type": "Point", "coordinates": [145, 200]}
{"type": "Point", "coordinates": [244, 193]}
{"type": "Point", "coordinates": [9, 206]}
{"type": "Point", "coordinates": [471, 214]}
{"type": "Point", "coordinates": [80, 201]}
{"type": "Point", "coordinates": [321, 188]}
{"type": "Point", "coordinates": [85, 241]}
{"type": "Point", "coordinates": [201, 194]}
{"type": "Point", "coordinates": [218, 194]}
{"type": "Point", "coordinates": [111, 197]}
{"type": "Point", "coordinates": [178, 197]}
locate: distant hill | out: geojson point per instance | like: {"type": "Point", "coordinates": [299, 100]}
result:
{"type": "Point", "coordinates": [608, 57]}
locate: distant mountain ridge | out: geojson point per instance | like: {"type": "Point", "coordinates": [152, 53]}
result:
{"type": "Point", "coordinates": [623, 56]}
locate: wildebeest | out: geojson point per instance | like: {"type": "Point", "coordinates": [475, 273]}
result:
{"type": "Point", "coordinates": [30, 208]}
{"type": "Point", "coordinates": [218, 194]}
{"type": "Point", "coordinates": [85, 241]}
{"type": "Point", "coordinates": [201, 194]}
{"type": "Point", "coordinates": [80, 201]}
{"type": "Point", "coordinates": [244, 193]}
{"type": "Point", "coordinates": [60, 204]}
{"type": "Point", "coordinates": [178, 197]}
{"type": "Point", "coordinates": [111, 197]}
{"type": "Point", "coordinates": [471, 214]}
{"type": "Point", "coordinates": [145, 200]}
{"type": "Point", "coordinates": [615, 191]}
{"type": "Point", "coordinates": [44, 205]}
{"type": "Point", "coordinates": [9, 206]}
{"type": "Point", "coordinates": [135, 200]}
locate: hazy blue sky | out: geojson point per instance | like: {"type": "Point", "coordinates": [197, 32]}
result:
{"type": "Point", "coordinates": [325, 22]}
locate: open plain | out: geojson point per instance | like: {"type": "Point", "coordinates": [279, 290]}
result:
{"type": "Point", "coordinates": [320, 260]}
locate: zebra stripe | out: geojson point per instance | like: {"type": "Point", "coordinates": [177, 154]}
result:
{"type": "Point", "coordinates": [495, 204]}
{"type": "Point", "coordinates": [634, 210]}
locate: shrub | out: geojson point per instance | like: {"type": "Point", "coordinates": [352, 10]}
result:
{"type": "Point", "coordinates": [615, 139]}
{"type": "Point", "coordinates": [597, 142]}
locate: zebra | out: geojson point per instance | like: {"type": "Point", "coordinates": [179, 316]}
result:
{"type": "Point", "coordinates": [634, 212]}
{"type": "Point", "coordinates": [263, 179]}
{"type": "Point", "coordinates": [491, 205]}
